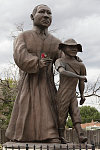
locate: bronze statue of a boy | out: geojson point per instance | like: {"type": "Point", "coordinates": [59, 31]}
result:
{"type": "Point", "coordinates": [71, 70]}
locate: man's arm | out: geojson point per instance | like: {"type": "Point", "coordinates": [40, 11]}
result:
{"type": "Point", "coordinates": [44, 62]}
{"type": "Point", "coordinates": [24, 60]}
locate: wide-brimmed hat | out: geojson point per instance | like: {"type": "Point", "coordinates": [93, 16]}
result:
{"type": "Point", "coordinates": [71, 42]}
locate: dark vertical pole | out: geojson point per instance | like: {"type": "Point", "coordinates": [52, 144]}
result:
{"type": "Point", "coordinates": [80, 147]}
{"type": "Point", "coordinates": [27, 147]}
{"type": "Point", "coordinates": [73, 147]}
{"type": "Point", "coordinates": [41, 147]}
{"type": "Point", "coordinates": [93, 147]}
{"type": "Point", "coordinates": [34, 147]}
{"type": "Point", "coordinates": [67, 147]}
{"type": "Point", "coordinates": [47, 147]}
{"type": "Point", "coordinates": [54, 147]}
{"type": "Point", "coordinates": [6, 147]}
{"type": "Point", "coordinates": [12, 147]}
{"type": "Point", "coordinates": [86, 147]}
{"type": "Point", "coordinates": [60, 147]}
{"type": "Point", "coordinates": [18, 147]}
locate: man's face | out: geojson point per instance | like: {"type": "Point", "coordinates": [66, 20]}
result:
{"type": "Point", "coordinates": [71, 50]}
{"type": "Point", "coordinates": [43, 17]}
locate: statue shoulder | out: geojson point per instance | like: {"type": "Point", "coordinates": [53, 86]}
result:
{"type": "Point", "coordinates": [82, 64]}
{"type": "Point", "coordinates": [83, 69]}
{"type": "Point", "coordinates": [78, 59]}
{"type": "Point", "coordinates": [55, 39]}
{"type": "Point", "coordinates": [23, 35]}
{"type": "Point", "coordinates": [26, 33]}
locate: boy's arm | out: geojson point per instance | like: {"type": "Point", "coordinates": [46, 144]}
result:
{"type": "Point", "coordinates": [82, 84]}
{"type": "Point", "coordinates": [60, 67]}
{"type": "Point", "coordinates": [61, 70]}
{"type": "Point", "coordinates": [81, 89]}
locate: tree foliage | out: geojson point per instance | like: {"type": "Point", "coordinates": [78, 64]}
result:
{"type": "Point", "coordinates": [9, 91]}
{"type": "Point", "coordinates": [89, 113]}
{"type": "Point", "coordinates": [69, 123]}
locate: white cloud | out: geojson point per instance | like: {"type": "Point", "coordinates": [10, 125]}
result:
{"type": "Point", "coordinates": [73, 19]}
{"type": "Point", "coordinates": [6, 51]}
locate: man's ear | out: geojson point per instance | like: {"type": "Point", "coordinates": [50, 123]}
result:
{"type": "Point", "coordinates": [32, 16]}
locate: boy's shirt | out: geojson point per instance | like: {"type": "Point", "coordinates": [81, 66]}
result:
{"type": "Point", "coordinates": [74, 66]}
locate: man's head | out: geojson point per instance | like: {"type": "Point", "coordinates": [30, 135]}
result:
{"type": "Point", "coordinates": [42, 16]}
{"type": "Point", "coordinates": [70, 47]}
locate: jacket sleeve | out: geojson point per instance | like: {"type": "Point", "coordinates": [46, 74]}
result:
{"type": "Point", "coordinates": [59, 64]}
{"type": "Point", "coordinates": [83, 69]}
{"type": "Point", "coordinates": [24, 60]}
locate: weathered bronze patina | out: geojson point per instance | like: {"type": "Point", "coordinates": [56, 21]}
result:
{"type": "Point", "coordinates": [71, 70]}
{"type": "Point", "coordinates": [34, 114]}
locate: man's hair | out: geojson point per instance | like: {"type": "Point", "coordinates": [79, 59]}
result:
{"type": "Point", "coordinates": [35, 9]}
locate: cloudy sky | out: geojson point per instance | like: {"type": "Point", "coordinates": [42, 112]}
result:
{"type": "Point", "coordinates": [78, 19]}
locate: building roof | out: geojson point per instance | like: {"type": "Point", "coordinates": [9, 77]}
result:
{"type": "Point", "coordinates": [91, 124]}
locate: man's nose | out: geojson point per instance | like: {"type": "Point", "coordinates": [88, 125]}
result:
{"type": "Point", "coordinates": [46, 15]}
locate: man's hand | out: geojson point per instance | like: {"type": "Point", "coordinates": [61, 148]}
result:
{"type": "Point", "coordinates": [82, 99]}
{"type": "Point", "coordinates": [83, 78]}
{"type": "Point", "coordinates": [45, 62]}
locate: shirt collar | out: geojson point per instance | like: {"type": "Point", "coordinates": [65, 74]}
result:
{"type": "Point", "coordinates": [40, 31]}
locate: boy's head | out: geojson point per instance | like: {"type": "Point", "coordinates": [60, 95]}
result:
{"type": "Point", "coordinates": [70, 47]}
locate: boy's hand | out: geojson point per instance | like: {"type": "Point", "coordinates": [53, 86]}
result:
{"type": "Point", "coordinates": [83, 78]}
{"type": "Point", "coordinates": [82, 99]}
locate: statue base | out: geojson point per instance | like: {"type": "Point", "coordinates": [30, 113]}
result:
{"type": "Point", "coordinates": [45, 146]}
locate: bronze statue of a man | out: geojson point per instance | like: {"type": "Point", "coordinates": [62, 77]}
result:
{"type": "Point", "coordinates": [71, 71]}
{"type": "Point", "coordinates": [34, 114]}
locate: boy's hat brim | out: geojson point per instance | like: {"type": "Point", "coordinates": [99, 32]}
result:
{"type": "Point", "coordinates": [70, 42]}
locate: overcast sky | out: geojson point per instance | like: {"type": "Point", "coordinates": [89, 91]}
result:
{"type": "Point", "coordinates": [71, 19]}
{"type": "Point", "coordinates": [78, 19]}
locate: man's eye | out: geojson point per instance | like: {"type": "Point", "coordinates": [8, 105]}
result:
{"type": "Point", "coordinates": [48, 12]}
{"type": "Point", "coordinates": [42, 11]}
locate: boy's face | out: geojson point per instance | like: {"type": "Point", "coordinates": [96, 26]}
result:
{"type": "Point", "coordinates": [71, 50]}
